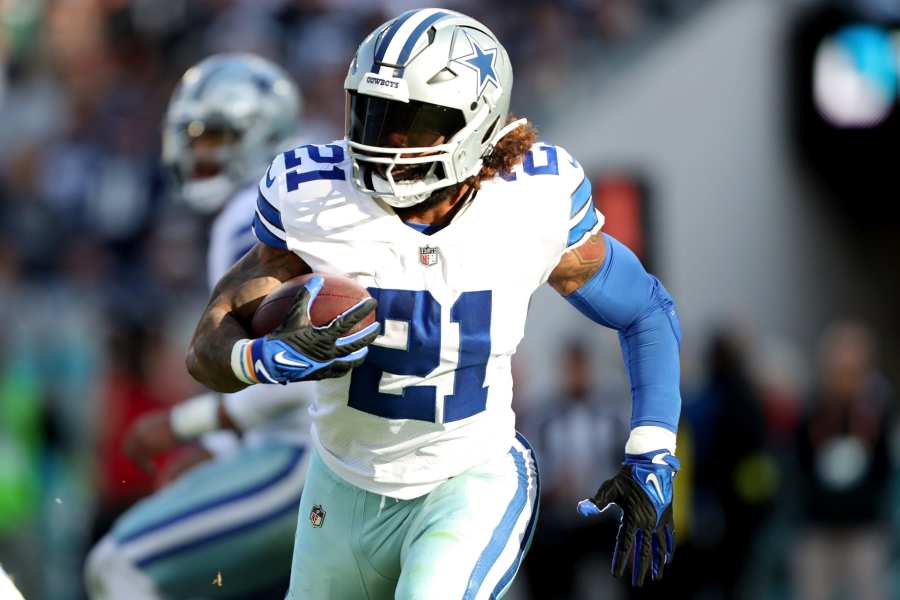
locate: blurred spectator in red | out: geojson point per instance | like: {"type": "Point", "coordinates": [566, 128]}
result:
{"type": "Point", "coordinates": [580, 442]}
{"type": "Point", "coordinates": [127, 394]}
{"type": "Point", "coordinates": [844, 472]}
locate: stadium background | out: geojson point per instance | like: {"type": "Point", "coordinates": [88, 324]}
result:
{"type": "Point", "coordinates": [754, 177]}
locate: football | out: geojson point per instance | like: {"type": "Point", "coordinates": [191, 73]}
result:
{"type": "Point", "coordinates": [337, 295]}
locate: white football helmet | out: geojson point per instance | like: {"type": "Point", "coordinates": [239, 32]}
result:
{"type": "Point", "coordinates": [229, 116]}
{"type": "Point", "coordinates": [428, 96]}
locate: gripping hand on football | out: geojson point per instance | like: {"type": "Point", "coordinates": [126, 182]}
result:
{"type": "Point", "coordinates": [297, 350]}
{"type": "Point", "coordinates": [643, 490]}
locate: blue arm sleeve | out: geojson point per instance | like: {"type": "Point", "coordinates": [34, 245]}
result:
{"type": "Point", "coordinates": [623, 296]}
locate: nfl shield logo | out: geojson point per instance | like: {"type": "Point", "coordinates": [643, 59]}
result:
{"type": "Point", "coordinates": [317, 515]}
{"type": "Point", "coordinates": [428, 255]}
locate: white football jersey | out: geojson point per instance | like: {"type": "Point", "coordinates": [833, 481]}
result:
{"type": "Point", "coordinates": [433, 397]}
{"type": "Point", "coordinates": [231, 234]}
{"type": "Point", "coordinates": [262, 411]}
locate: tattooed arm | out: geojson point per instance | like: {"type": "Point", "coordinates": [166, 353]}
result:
{"type": "Point", "coordinates": [227, 316]}
{"type": "Point", "coordinates": [578, 265]}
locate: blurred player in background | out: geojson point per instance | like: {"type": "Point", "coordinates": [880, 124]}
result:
{"type": "Point", "coordinates": [451, 216]}
{"type": "Point", "coordinates": [225, 526]}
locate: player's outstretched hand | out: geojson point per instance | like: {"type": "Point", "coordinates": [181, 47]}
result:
{"type": "Point", "coordinates": [299, 351]}
{"type": "Point", "coordinates": [643, 490]}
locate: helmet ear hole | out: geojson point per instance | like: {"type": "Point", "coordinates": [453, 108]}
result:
{"type": "Point", "coordinates": [445, 74]}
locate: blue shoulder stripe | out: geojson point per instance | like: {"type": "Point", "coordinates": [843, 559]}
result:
{"type": "Point", "coordinates": [580, 197]}
{"type": "Point", "coordinates": [414, 36]}
{"type": "Point", "coordinates": [270, 213]}
{"type": "Point", "coordinates": [266, 236]}
{"type": "Point", "coordinates": [587, 223]}
{"type": "Point", "coordinates": [389, 34]}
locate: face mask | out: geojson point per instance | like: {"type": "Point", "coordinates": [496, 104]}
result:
{"type": "Point", "coordinates": [207, 195]}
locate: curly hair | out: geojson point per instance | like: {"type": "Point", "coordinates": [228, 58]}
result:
{"type": "Point", "coordinates": [508, 152]}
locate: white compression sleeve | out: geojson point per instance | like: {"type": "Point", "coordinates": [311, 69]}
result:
{"type": "Point", "coordinates": [195, 416]}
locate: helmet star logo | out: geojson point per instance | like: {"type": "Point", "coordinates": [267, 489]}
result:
{"type": "Point", "coordinates": [483, 61]}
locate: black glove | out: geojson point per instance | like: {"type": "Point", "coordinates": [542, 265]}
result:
{"type": "Point", "coordinates": [643, 490]}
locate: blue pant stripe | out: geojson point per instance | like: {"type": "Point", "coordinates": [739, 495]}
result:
{"type": "Point", "coordinates": [286, 508]}
{"type": "Point", "coordinates": [529, 530]}
{"type": "Point", "coordinates": [504, 529]}
{"type": "Point", "coordinates": [217, 502]}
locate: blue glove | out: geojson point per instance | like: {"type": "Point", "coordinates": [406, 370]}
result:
{"type": "Point", "coordinates": [643, 490]}
{"type": "Point", "coordinates": [299, 351]}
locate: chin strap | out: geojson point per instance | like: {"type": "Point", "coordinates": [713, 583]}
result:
{"type": "Point", "coordinates": [509, 127]}
{"type": "Point", "coordinates": [506, 130]}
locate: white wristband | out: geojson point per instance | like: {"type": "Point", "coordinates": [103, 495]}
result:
{"type": "Point", "coordinates": [196, 416]}
{"type": "Point", "coordinates": [241, 363]}
{"type": "Point", "coordinates": [648, 438]}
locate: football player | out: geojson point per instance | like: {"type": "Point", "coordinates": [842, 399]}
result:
{"type": "Point", "coordinates": [231, 519]}
{"type": "Point", "coordinates": [451, 214]}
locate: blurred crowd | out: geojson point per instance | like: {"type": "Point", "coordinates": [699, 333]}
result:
{"type": "Point", "coordinates": [101, 277]}
{"type": "Point", "coordinates": [789, 473]}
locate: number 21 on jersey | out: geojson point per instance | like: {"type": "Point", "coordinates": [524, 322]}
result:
{"type": "Point", "coordinates": [411, 346]}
